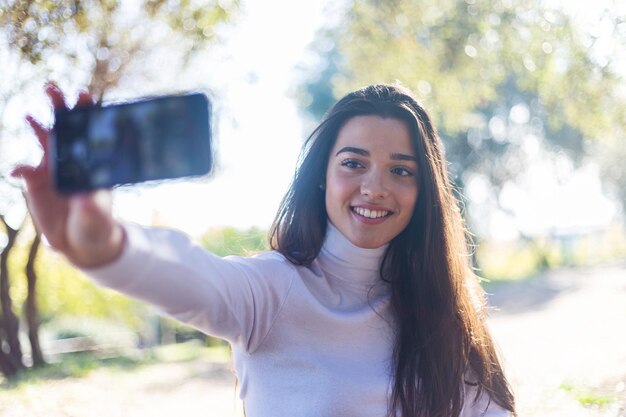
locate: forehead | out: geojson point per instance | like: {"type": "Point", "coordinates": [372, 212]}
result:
{"type": "Point", "coordinates": [375, 134]}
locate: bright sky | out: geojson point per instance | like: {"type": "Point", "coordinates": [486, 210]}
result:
{"type": "Point", "coordinates": [259, 129]}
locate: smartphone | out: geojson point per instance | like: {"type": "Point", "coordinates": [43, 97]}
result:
{"type": "Point", "coordinates": [149, 139]}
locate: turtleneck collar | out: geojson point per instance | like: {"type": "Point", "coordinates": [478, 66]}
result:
{"type": "Point", "coordinates": [343, 259]}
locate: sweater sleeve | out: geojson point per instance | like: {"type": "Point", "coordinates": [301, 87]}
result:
{"type": "Point", "coordinates": [233, 298]}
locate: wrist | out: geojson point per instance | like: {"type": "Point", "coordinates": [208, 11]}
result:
{"type": "Point", "coordinates": [102, 253]}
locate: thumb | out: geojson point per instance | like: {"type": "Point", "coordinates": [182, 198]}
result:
{"type": "Point", "coordinates": [90, 220]}
{"type": "Point", "coordinates": [23, 171]}
{"type": "Point", "coordinates": [94, 237]}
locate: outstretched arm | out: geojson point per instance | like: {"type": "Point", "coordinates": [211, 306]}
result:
{"type": "Point", "coordinates": [232, 299]}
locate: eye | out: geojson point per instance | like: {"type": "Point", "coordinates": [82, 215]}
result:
{"type": "Point", "coordinates": [351, 164]}
{"type": "Point", "coordinates": [402, 171]}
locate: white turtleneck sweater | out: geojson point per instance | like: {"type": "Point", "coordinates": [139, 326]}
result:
{"type": "Point", "coordinates": [307, 341]}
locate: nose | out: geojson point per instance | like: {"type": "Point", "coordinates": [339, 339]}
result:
{"type": "Point", "coordinates": [374, 186]}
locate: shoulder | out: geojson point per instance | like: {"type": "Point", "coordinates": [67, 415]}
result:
{"type": "Point", "coordinates": [481, 405]}
{"type": "Point", "coordinates": [270, 256]}
{"type": "Point", "coordinates": [270, 265]}
{"type": "Point", "coordinates": [270, 259]}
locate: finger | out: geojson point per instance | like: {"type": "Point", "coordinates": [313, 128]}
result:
{"type": "Point", "coordinates": [41, 132]}
{"type": "Point", "coordinates": [99, 201]}
{"type": "Point", "coordinates": [84, 99]}
{"type": "Point", "coordinates": [23, 171]}
{"type": "Point", "coordinates": [92, 214]}
{"type": "Point", "coordinates": [35, 177]}
{"type": "Point", "coordinates": [56, 96]}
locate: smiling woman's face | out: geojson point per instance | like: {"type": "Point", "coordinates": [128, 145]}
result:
{"type": "Point", "coordinates": [371, 180]}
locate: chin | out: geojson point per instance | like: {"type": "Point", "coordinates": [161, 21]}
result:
{"type": "Point", "coordinates": [371, 245]}
{"type": "Point", "coordinates": [368, 243]}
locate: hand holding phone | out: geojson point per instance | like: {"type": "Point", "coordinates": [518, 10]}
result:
{"type": "Point", "coordinates": [151, 139]}
{"type": "Point", "coordinates": [80, 226]}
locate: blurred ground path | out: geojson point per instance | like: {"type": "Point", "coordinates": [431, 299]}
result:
{"type": "Point", "coordinates": [197, 388]}
{"type": "Point", "coordinates": [562, 336]}
{"type": "Point", "coordinates": [563, 340]}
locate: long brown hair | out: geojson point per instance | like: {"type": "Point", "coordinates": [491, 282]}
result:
{"type": "Point", "coordinates": [442, 344]}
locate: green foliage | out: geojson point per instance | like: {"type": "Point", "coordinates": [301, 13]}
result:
{"type": "Point", "coordinates": [95, 331]}
{"type": "Point", "coordinates": [75, 365]}
{"type": "Point", "coordinates": [612, 154]}
{"type": "Point", "coordinates": [514, 260]}
{"type": "Point", "coordinates": [65, 291]}
{"type": "Point", "coordinates": [459, 54]}
{"type": "Point", "coordinates": [589, 397]}
{"type": "Point", "coordinates": [72, 305]}
{"type": "Point", "coordinates": [36, 27]}
{"type": "Point", "coordinates": [107, 37]}
{"type": "Point", "coordinates": [231, 241]}
{"type": "Point", "coordinates": [80, 364]}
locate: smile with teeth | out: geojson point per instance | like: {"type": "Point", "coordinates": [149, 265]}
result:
{"type": "Point", "coordinates": [372, 214]}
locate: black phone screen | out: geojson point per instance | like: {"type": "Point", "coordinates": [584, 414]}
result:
{"type": "Point", "coordinates": [153, 139]}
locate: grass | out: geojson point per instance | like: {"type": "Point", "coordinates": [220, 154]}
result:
{"type": "Point", "coordinates": [75, 365]}
{"type": "Point", "coordinates": [192, 350]}
{"type": "Point", "coordinates": [589, 397]}
{"type": "Point", "coordinates": [517, 260]}
{"type": "Point", "coordinates": [79, 365]}
{"type": "Point", "coordinates": [507, 262]}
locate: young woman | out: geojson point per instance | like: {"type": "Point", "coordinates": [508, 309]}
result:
{"type": "Point", "coordinates": [367, 305]}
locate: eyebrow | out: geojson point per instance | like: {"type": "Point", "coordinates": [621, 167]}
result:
{"type": "Point", "coordinates": [403, 157]}
{"type": "Point", "coordinates": [352, 149]}
{"type": "Point", "coordinates": [396, 156]}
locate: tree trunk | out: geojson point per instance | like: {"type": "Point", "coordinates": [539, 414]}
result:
{"type": "Point", "coordinates": [32, 314]}
{"type": "Point", "coordinates": [10, 321]}
{"type": "Point", "coordinates": [7, 367]}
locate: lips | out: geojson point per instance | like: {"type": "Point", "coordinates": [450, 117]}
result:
{"type": "Point", "coordinates": [371, 213]}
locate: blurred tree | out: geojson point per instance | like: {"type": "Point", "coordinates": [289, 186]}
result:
{"type": "Point", "coordinates": [230, 241]}
{"type": "Point", "coordinates": [11, 351]}
{"type": "Point", "coordinates": [65, 291]}
{"type": "Point", "coordinates": [64, 294]}
{"type": "Point", "coordinates": [102, 43]}
{"type": "Point", "coordinates": [612, 154]}
{"type": "Point", "coordinates": [501, 79]}
{"type": "Point", "coordinates": [32, 311]}
{"type": "Point", "coordinates": [108, 37]}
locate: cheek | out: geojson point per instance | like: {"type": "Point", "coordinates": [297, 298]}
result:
{"type": "Point", "coordinates": [409, 200]}
{"type": "Point", "coordinates": [338, 191]}
{"type": "Point", "coordinates": [330, 195]}
{"type": "Point", "coordinates": [334, 204]}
